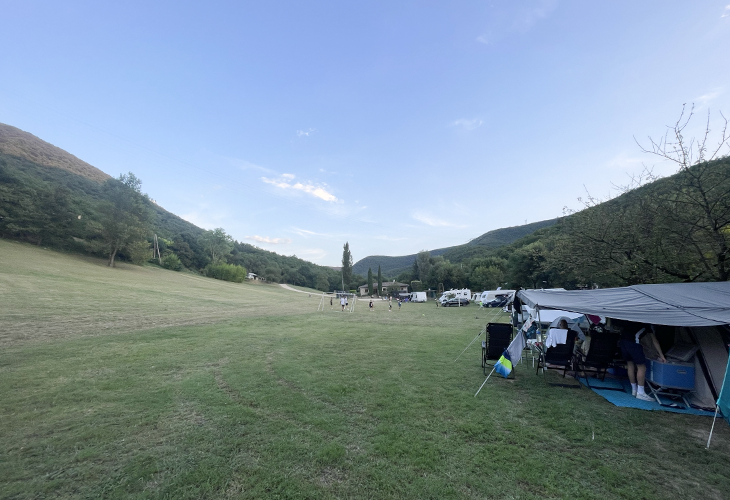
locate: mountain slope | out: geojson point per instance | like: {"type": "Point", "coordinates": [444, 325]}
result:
{"type": "Point", "coordinates": [392, 266]}
{"type": "Point", "coordinates": [21, 144]}
{"type": "Point", "coordinates": [51, 198]}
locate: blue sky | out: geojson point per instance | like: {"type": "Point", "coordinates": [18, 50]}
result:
{"type": "Point", "coordinates": [395, 126]}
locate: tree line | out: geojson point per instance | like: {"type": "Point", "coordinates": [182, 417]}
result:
{"type": "Point", "coordinates": [658, 230]}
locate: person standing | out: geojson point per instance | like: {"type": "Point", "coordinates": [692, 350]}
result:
{"type": "Point", "coordinates": [633, 353]}
{"type": "Point", "coordinates": [399, 304]}
{"type": "Point", "coordinates": [371, 305]}
{"type": "Point", "coordinates": [342, 303]}
{"type": "Point", "coordinates": [331, 303]}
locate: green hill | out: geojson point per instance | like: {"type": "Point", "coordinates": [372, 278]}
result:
{"type": "Point", "coordinates": [51, 198]}
{"type": "Point", "coordinates": [392, 266]}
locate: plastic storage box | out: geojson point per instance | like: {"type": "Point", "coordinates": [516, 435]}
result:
{"type": "Point", "coordinates": [672, 375]}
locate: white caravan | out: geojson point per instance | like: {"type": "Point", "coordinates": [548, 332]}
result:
{"type": "Point", "coordinates": [490, 295]}
{"type": "Point", "coordinates": [418, 297]}
{"type": "Point", "coordinates": [455, 297]}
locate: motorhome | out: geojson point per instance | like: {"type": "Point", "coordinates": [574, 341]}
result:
{"type": "Point", "coordinates": [488, 296]}
{"type": "Point", "coordinates": [418, 297]}
{"type": "Point", "coordinates": [455, 297]}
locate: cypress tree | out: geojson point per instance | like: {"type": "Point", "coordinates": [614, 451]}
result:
{"type": "Point", "coordinates": [370, 280]}
{"type": "Point", "coordinates": [380, 281]}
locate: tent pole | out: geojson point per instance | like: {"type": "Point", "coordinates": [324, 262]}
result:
{"type": "Point", "coordinates": [485, 381]}
{"type": "Point", "coordinates": [470, 343]}
{"type": "Point", "coordinates": [539, 329]}
{"type": "Point", "coordinates": [484, 330]}
{"type": "Point", "coordinates": [712, 428]}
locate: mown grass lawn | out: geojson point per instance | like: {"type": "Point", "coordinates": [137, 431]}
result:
{"type": "Point", "coordinates": [143, 383]}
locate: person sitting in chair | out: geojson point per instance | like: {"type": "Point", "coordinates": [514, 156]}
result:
{"type": "Point", "coordinates": [633, 353]}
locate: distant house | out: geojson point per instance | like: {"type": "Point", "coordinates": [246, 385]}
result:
{"type": "Point", "coordinates": [255, 277]}
{"type": "Point", "coordinates": [394, 285]}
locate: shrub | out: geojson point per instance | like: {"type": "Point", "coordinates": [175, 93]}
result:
{"type": "Point", "coordinates": [172, 262]}
{"type": "Point", "coordinates": [227, 272]}
{"type": "Point", "coordinates": [138, 252]}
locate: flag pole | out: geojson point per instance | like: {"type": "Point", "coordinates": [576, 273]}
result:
{"type": "Point", "coordinates": [485, 381]}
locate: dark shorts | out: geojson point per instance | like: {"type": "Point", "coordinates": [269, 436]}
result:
{"type": "Point", "coordinates": [631, 351]}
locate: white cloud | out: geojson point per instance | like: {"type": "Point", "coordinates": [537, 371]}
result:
{"type": "Point", "coordinates": [435, 221]}
{"type": "Point", "coordinates": [522, 22]}
{"type": "Point", "coordinates": [247, 165]}
{"type": "Point", "coordinates": [306, 233]}
{"type": "Point", "coordinates": [466, 124]}
{"type": "Point", "coordinates": [388, 238]}
{"type": "Point", "coordinates": [726, 12]}
{"type": "Point", "coordinates": [623, 162]}
{"type": "Point", "coordinates": [312, 254]}
{"type": "Point", "coordinates": [270, 241]}
{"type": "Point", "coordinates": [284, 182]}
{"type": "Point", "coordinates": [304, 133]}
{"type": "Point", "coordinates": [707, 98]}
{"type": "Point", "coordinates": [204, 220]}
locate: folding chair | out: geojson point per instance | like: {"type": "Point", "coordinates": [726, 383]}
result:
{"type": "Point", "coordinates": [601, 354]}
{"type": "Point", "coordinates": [559, 356]}
{"type": "Point", "coordinates": [499, 336]}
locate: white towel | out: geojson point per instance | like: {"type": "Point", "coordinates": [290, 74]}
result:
{"type": "Point", "coordinates": [556, 336]}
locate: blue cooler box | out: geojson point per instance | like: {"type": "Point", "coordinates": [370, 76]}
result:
{"type": "Point", "coordinates": [672, 375]}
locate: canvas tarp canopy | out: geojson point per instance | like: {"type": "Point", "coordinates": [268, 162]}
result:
{"type": "Point", "coordinates": [699, 310]}
{"type": "Point", "coordinates": [672, 304]}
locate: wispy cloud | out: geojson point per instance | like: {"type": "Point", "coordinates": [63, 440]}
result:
{"type": "Point", "coordinates": [286, 182]}
{"type": "Point", "coordinates": [247, 165]}
{"type": "Point", "coordinates": [707, 98]}
{"type": "Point", "coordinates": [203, 218]}
{"type": "Point", "coordinates": [388, 238]}
{"type": "Point", "coordinates": [306, 233]}
{"type": "Point", "coordinates": [466, 124]}
{"type": "Point", "coordinates": [726, 12]}
{"type": "Point", "coordinates": [522, 22]}
{"type": "Point", "coordinates": [270, 241]}
{"type": "Point", "coordinates": [623, 162]}
{"type": "Point", "coordinates": [304, 133]}
{"type": "Point", "coordinates": [432, 221]}
{"type": "Point", "coordinates": [312, 254]}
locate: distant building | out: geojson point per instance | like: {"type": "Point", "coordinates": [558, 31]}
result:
{"type": "Point", "coordinates": [255, 277]}
{"type": "Point", "coordinates": [396, 286]}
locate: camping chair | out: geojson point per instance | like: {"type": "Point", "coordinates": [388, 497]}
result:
{"type": "Point", "coordinates": [601, 353]}
{"type": "Point", "coordinates": [499, 336]}
{"type": "Point", "coordinates": [559, 356]}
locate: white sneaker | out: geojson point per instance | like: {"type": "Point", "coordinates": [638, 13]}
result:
{"type": "Point", "coordinates": [644, 397]}
{"type": "Point", "coordinates": [633, 392]}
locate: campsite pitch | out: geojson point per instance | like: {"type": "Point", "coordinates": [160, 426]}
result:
{"type": "Point", "coordinates": [144, 383]}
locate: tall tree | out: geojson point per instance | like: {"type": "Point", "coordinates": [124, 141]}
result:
{"type": "Point", "coordinates": [370, 280]}
{"type": "Point", "coordinates": [423, 260]}
{"type": "Point", "coordinates": [380, 281]}
{"type": "Point", "coordinates": [677, 229]}
{"type": "Point", "coordinates": [124, 216]}
{"type": "Point", "coordinates": [346, 266]}
{"type": "Point", "coordinates": [217, 243]}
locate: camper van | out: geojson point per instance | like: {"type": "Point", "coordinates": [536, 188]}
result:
{"type": "Point", "coordinates": [418, 297]}
{"type": "Point", "coordinates": [455, 297]}
{"type": "Point", "coordinates": [489, 298]}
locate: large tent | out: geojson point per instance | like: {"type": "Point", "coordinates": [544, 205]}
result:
{"type": "Point", "coordinates": [699, 311]}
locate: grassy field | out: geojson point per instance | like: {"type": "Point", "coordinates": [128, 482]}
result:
{"type": "Point", "coordinates": [144, 383]}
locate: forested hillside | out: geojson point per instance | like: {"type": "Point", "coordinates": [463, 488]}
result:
{"type": "Point", "coordinates": [674, 229]}
{"type": "Point", "coordinates": [663, 230]}
{"type": "Point", "coordinates": [392, 266]}
{"type": "Point", "coordinates": [51, 198]}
